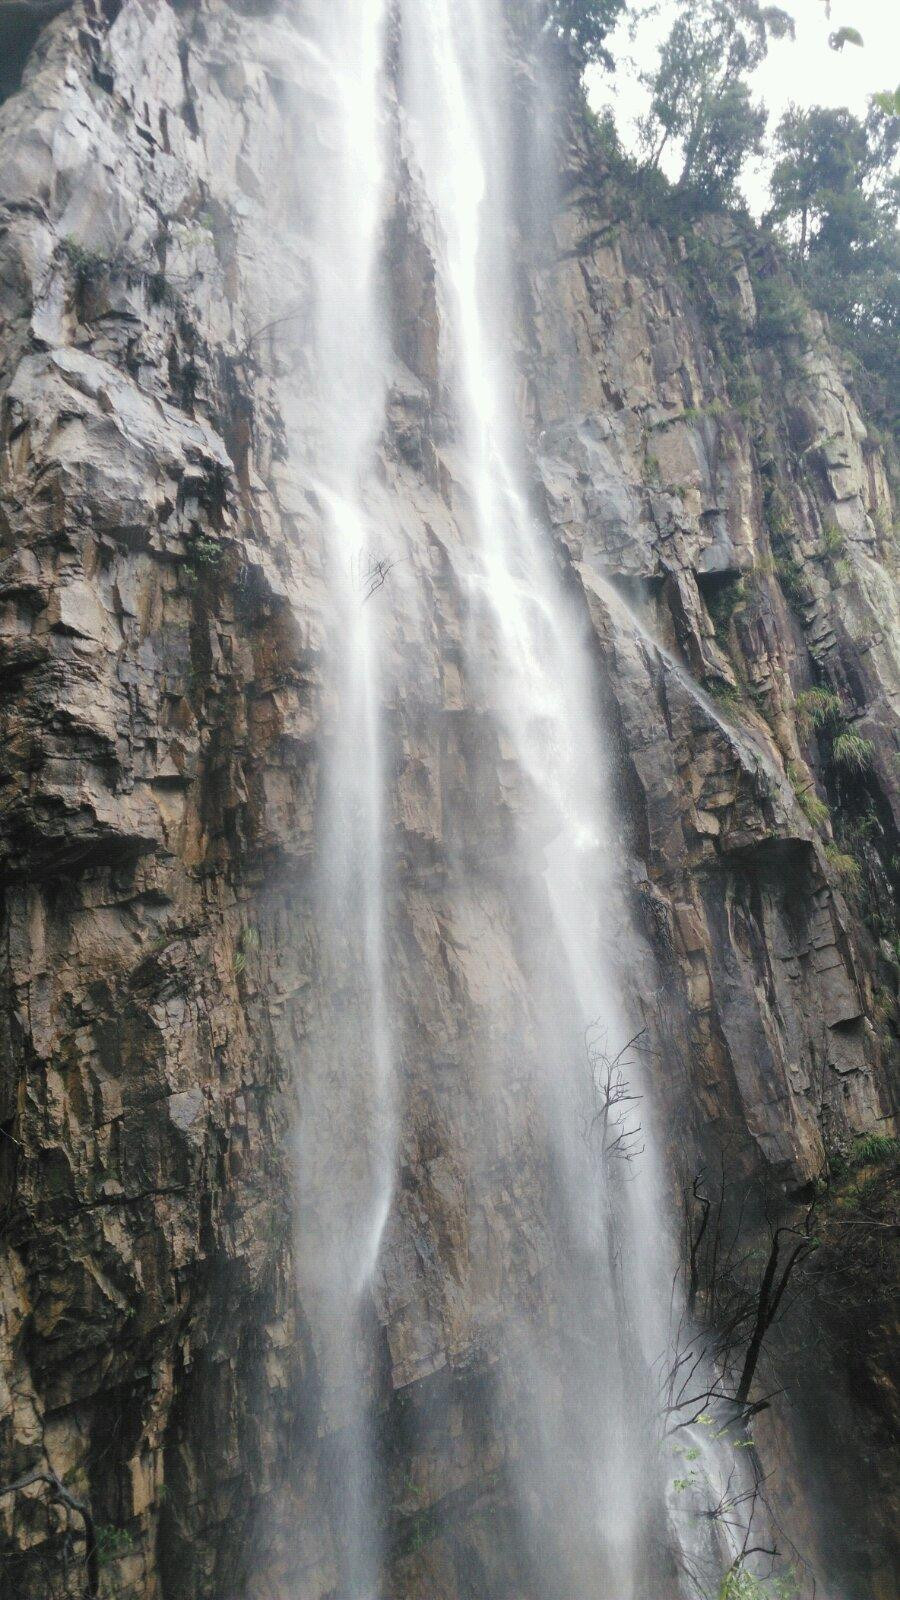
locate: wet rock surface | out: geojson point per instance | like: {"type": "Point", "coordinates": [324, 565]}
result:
{"type": "Point", "coordinates": [161, 638]}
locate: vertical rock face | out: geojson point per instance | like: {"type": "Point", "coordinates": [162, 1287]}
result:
{"type": "Point", "coordinates": [161, 639]}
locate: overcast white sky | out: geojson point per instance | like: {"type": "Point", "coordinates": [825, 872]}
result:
{"type": "Point", "coordinates": [804, 71]}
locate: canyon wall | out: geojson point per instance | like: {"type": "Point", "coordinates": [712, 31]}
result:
{"type": "Point", "coordinates": [726, 528]}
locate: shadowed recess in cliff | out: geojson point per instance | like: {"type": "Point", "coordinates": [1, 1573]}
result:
{"type": "Point", "coordinates": [21, 22]}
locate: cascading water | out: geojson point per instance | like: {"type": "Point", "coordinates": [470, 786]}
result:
{"type": "Point", "coordinates": [346, 1121]}
{"type": "Point", "coordinates": [584, 1467]}
{"type": "Point", "coordinates": [527, 654]}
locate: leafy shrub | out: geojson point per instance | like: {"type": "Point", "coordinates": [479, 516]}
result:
{"type": "Point", "coordinates": [204, 553]}
{"type": "Point", "coordinates": [249, 940]}
{"type": "Point", "coordinates": [160, 290]}
{"type": "Point", "coordinates": [739, 1584]}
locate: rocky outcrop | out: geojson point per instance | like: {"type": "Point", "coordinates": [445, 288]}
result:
{"type": "Point", "coordinates": [161, 639]}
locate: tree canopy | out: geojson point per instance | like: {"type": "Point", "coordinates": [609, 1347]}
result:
{"type": "Point", "coordinates": [836, 203]}
{"type": "Point", "coordinates": [701, 102]}
{"type": "Point", "coordinates": [585, 24]}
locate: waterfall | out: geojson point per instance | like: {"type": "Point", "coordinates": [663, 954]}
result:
{"type": "Point", "coordinates": [585, 1463]}
{"type": "Point", "coordinates": [527, 652]}
{"type": "Point", "coordinates": [346, 1122]}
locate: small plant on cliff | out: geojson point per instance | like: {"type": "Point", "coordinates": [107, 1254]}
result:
{"type": "Point", "coordinates": [814, 809]}
{"type": "Point", "coordinates": [160, 290]}
{"type": "Point", "coordinates": [874, 1150]}
{"type": "Point", "coordinates": [725, 695]}
{"type": "Point", "coordinates": [112, 1543]}
{"type": "Point", "coordinates": [868, 1150]}
{"type": "Point", "coordinates": [778, 514]}
{"type": "Point", "coordinates": [204, 554]}
{"type": "Point", "coordinates": [851, 752]}
{"type": "Point", "coordinates": [86, 265]}
{"type": "Point", "coordinates": [792, 578]}
{"type": "Point", "coordinates": [249, 940]}
{"type": "Point", "coordinates": [844, 865]}
{"type": "Point", "coordinates": [817, 708]}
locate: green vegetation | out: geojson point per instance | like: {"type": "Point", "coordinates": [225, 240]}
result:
{"type": "Point", "coordinates": [249, 940]}
{"type": "Point", "coordinates": [741, 1584]}
{"type": "Point", "coordinates": [845, 866]}
{"type": "Point", "coordinates": [818, 708]}
{"type": "Point", "coordinates": [112, 1543]}
{"type": "Point", "coordinates": [584, 24]}
{"type": "Point", "coordinates": [160, 290]}
{"type": "Point", "coordinates": [835, 204]}
{"type": "Point", "coordinates": [701, 103]}
{"type": "Point", "coordinates": [845, 749]}
{"type": "Point", "coordinates": [831, 239]}
{"type": "Point", "coordinates": [87, 266]}
{"type": "Point", "coordinates": [725, 696]}
{"type": "Point", "coordinates": [874, 1150]}
{"type": "Point", "coordinates": [852, 752]}
{"type": "Point", "coordinates": [815, 810]}
{"type": "Point", "coordinates": [868, 1150]}
{"type": "Point", "coordinates": [780, 310]}
{"type": "Point", "coordinates": [778, 514]}
{"type": "Point", "coordinates": [418, 1531]}
{"type": "Point", "coordinates": [204, 555]}
{"type": "Point", "coordinates": [791, 576]}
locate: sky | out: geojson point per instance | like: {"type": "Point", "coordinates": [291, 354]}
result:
{"type": "Point", "coordinates": [804, 70]}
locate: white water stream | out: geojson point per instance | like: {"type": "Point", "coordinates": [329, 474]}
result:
{"type": "Point", "coordinates": [347, 1122]}
{"type": "Point", "coordinates": [590, 1486]}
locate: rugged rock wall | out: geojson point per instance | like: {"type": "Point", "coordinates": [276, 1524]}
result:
{"type": "Point", "coordinates": [161, 636]}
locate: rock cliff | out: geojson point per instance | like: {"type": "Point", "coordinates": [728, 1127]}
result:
{"type": "Point", "coordinates": [724, 519]}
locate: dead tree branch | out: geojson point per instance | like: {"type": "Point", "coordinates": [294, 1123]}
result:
{"type": "Point", "coordinates": [60, 1495]}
